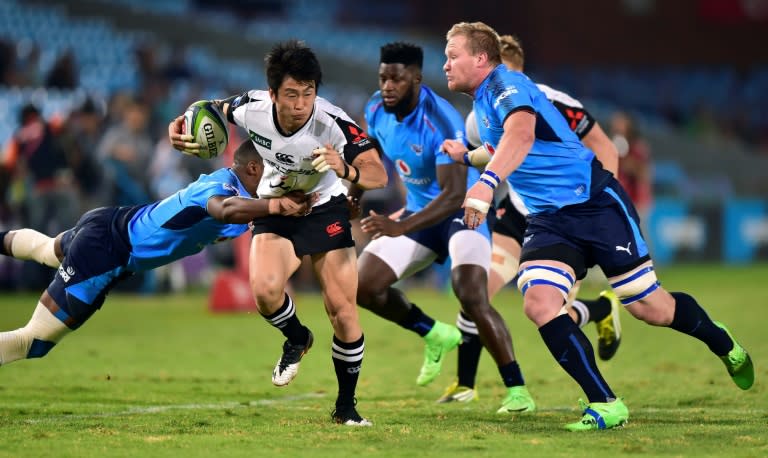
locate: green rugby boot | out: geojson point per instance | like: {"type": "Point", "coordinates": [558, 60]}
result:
{"type": "Point", "coordinates": [440, 340]}
{"type": "Point", "coordinates": [600, 415]}
{"type": "Point", "coordinates": [738, 362]}
{"type": "Point", "coordinates": [458, 393]}
{"type": "Point", "coordinates": [609, 328]}
{"type": "Point", "coordinates": [518, 399]}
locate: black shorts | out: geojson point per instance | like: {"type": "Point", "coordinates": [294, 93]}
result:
{"type": "Point", "coordinates": [326, 229]}
{"type": "Point", "coordinates": [508, 221]}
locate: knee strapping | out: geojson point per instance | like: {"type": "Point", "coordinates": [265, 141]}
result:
{"type": "Point", "coordinates": [28, 244]}
{"type": "Point", "coordinates": [504, 263]}
{"type": "Point", "coordinates": [545, 275]}
{"type": "Point", "coordinates": [635, 284]}
{"type": "Point", "coordinates": [35, 339]}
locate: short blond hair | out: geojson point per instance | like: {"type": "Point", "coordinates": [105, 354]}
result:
{"type": "Point", "coordinates": [481, 38]}
{"type": "Point", "coordinates": [512, 50]}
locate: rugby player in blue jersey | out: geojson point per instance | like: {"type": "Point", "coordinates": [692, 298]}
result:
{"type": "Point", "coordinates": [579, 217]}
{"type": "Point", "coordinates": [508, 224]}
{"type": "Point", "coordinates": [110, 244]}
{"type": "Point", "coordinates": [410, 122]}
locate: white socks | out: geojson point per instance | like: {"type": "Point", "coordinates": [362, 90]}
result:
{"type": "Point", "coordinates": [43, 326]}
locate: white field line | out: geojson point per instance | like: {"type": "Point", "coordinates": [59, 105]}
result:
{"type": "Point", "coordinates": [141, 410]}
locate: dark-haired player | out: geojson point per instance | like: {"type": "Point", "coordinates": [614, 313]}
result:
{"type": "Point", "coordinates": [111, 243]}
{"type": "Point", "coordinates": [410, 122]}
{"type": "Point", "coordinates": [308, 145]}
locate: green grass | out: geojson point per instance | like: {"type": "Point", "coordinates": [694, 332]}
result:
{"type": "Point", "coordinates": [161, 376]}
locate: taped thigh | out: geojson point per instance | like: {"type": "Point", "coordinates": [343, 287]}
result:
{"type": "Point", "coordinates": [504, 263]}
{"type": "Point", "coordinates": [635, 284]}
{"type": "Point", "coordinates": [403, 255]}
{"type": "Point", "coordinates": [538, 274]}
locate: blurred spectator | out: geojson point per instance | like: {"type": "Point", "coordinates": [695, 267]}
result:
{"type": "Point", "coordinates": [64, 73]}
{"type": "Point", "coordinates": [79, 138]}
{"type": "Point", "coordinates": [41, 180]}
{"type": "Point", "coordinates": [635, 172]}
{"type": "Point", "coordinates": [42, 192]}
{"type": "Point", "coordinates": [125, 151]}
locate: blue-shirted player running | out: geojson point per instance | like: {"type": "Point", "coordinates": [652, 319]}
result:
{"type": "Point", "coordinates": [111, 243]}
{"type": "Point", "coordinates": [579, 217]}
{"type": "Point", "coordinates": [411, 122]}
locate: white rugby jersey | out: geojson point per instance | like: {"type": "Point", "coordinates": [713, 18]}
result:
{"type": "Point", "coordinates": [288, 158]}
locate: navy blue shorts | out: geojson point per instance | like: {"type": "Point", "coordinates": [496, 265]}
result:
{"type": "Point", "coordinates": [436, 237]}
{"type": "Point", "coordinates": [604, 231]}
{"type": "Point", "coordinates": [95, 256]}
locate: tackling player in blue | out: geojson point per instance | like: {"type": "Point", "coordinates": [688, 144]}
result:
{"type": "Point", "coordinates": [109, 244]}
{"type": "Point", "coordinates": [411, 122]}
{"type": "Point", "coordinates": [579, 217]}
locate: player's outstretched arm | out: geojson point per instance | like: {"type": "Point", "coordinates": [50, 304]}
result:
{"type": "Point", "coordinates": [241, 210]}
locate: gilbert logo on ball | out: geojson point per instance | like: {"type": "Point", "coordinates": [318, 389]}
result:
{"type": "Point", "coordinates": [206, 123]}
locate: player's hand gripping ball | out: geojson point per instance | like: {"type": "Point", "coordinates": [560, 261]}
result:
{"type": "Point", "coordinates": [205, 123]}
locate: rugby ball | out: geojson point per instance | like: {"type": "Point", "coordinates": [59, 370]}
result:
{"type": "Point", "coordinates": [205, 122]}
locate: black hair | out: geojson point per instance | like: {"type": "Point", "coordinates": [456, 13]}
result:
{"type": "Point", "coordinates": [402, 53]}
{"type": "Point", "coordinates": [295, 59]}
{"type": "Point", "coordinates": [247, 152]}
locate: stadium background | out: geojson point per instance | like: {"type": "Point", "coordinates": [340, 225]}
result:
{"type": "Point", "coordinates": [108, 75]}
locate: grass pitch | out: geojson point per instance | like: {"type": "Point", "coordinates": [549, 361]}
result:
{"type": "Point", "coordinates": [161, 376]}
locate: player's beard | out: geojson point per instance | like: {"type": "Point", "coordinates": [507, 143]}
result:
{"type": "Point", "coordinates": [402, 107]}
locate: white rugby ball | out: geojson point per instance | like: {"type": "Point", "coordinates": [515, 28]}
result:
{"type": "Point", "coordinates": [205, 122]}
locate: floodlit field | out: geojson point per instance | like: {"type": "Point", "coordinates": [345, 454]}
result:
{"type": "Point", "coordinates": [161, 376]}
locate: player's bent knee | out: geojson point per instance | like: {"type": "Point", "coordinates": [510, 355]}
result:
{"type": "Point", "coordinates": [635, 285]}
{"type": "Point", "coordinates": [267, 293]}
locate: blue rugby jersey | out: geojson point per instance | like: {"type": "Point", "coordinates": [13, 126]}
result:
{"type": "Point", "coordinates": [413, 144]}
{"type": "Point", "coordinates": [558, 169]}
{"type": "Point", "coordinates": [180, 225]}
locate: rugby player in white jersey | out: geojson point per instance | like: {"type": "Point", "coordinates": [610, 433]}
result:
{"type": "Point", "coordinates": [309, 145]}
